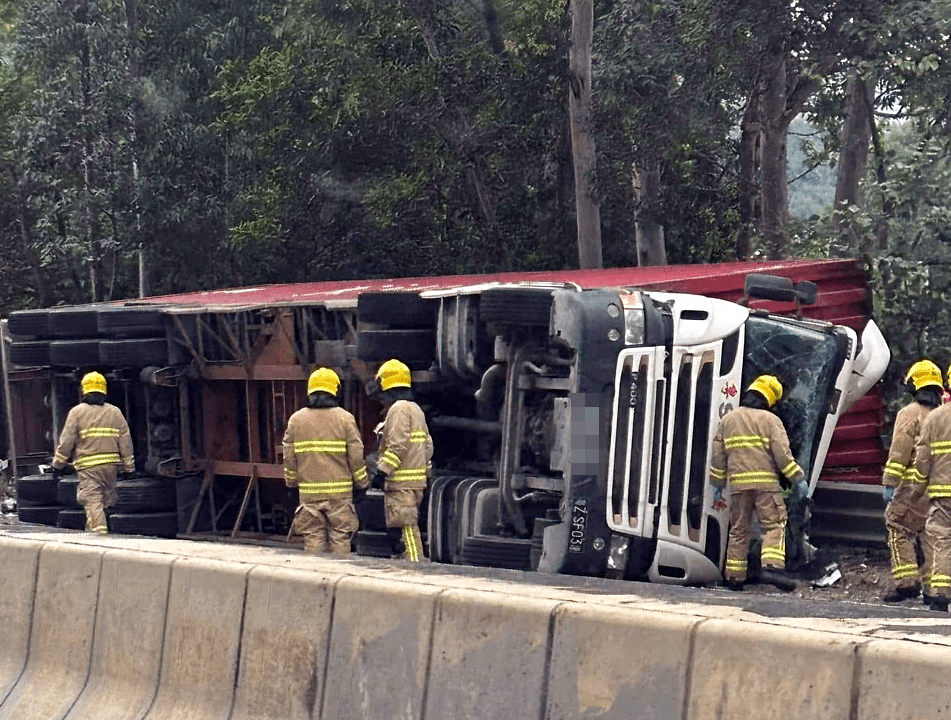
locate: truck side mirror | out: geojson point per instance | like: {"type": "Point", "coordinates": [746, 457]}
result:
{"type": "Point", "coordinates": [781, 289]}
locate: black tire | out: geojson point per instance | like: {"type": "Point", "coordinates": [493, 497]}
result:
{"type": "Point", "coordinates": [164, 524]}
{"type": "Point", "coordinates": [398, 309]}
{"type": "Point", "coordinates": [29, 353]}
{"type": "Point", "coordinates": [47, 515]}
{"type": "Point", "coordinates": [74, 353]}
{"type": "Point", "coordinates": [416, 348]}
{"type": "Point", "coordinates": [71, 519]}
{"type": "Point", "coordinates": [373, 544]}
{"type": "Point", "coordinates": [66, 491]}
{"type": "Point", "coordinates": [370, 511]}
{"type": "Point", "coordinates": [131, 322]}
{"type": "Point", "coordinates": [74, 322]}
{"type": "Point", "coordinates": [522, 307]}
{"type": "Point", "coordinates": [37, 489]}
{"type": "Point", "coordinates": [138, 352]}
{"type": "Point", "coordinates": [29, 323]}
{"type": "Point", "coordinates": [145, 495]}
{"type": "Point", "coordinates": [489, 551]}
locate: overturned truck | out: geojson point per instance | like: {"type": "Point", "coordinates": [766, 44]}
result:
{"type": "Point", "coordinates": [572, 412]}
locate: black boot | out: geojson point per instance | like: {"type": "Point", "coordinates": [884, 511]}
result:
{"type": "Point", "coordinates": [902, 593]}
{"type": "Point", "coordinates": [395, 536]}
{"type": "Point", "coordinates": [777, 578]}
{"type": "Point", "coordinates": [939, 604]}
{"type": "Point", "coordinates": [734, 585]}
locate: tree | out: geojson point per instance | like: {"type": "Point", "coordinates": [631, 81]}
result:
{"type": "Point", "coordinates": [582, 134]}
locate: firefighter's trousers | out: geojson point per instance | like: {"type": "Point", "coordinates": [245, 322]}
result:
{"type": "Point", "coordinates": [771, 511]}
{"type": "Point", "coordinates": [96, 491]}
{"type": "Point", "coordinates": [905, 519]}
{"type": "Point", "coordinates": [938, 528]}
{"type": "Point", "coordinates": [327, 525]}
{"type": "Point", "coordinates": [401, 507]}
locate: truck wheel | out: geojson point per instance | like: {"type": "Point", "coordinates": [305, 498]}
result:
{"type": "Point", "coordinates": [47, 515]}
{"type": "Point", "coordinates": [138, 352]}
{"type": "Point", "coordinates": [28, 353]}
{"type": "Point", "coordinates": [164, 524]}
{"type": "Point", "coordinates": [373, 543]}
{"type": "Point", "coordinates": [74, 353]}
{"type": "Point", "coordinates": [71, 519]}
{"type": "Point", "coordinates": [416, 348]}
{"type": "Point", "coordinates": [66, 491]}
{"type": "Point", "coordinates": [145, 495]}
{"type": "Point", "coordinates": [74, 323]}
{"type": "Point", "coordinates": [399, 309]}
{"type": "Point", "coordinates": [37, 489]}
{"type": "Point", "coordinates": [523, 307]}
{"type": "Point", "coordinates": [29, 323]}
{"type": "Point", "coordinates": [131, 322]}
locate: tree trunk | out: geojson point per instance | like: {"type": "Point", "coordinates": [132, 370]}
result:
{"type": "Point", "coordinates": [582, 136]}
{"type": "Point", "coordinates": [853, 158]}
{"type": "Point", "coordinates": [750, 135]}
{"type": "Point", "coordinates": [41, 293]}
{"type": "Point", "coordinates": [648, 233]}
{"type": "Point", "coordinates": [775, 191]}
{"type": "Point", "coordinates": [88, 221]}
{"type": "Point", "coordinates": [135, 87]}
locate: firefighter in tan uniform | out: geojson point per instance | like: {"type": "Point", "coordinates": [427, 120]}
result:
{"type": "Point", "coordinates": [933, 465]}
{"type": "Point", "coordinates": [406, 450]}
{"type": "Point", "coordinates": [323, 459]}
{"type": "Point", "coordinates": [904, 489]}
{"type": "Point", "coordinates": [751, 452]}
{"type": "Point", "coordinates": [96, 439]}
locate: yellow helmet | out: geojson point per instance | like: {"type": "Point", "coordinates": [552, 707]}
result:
{"type": "Point", "coordinates": [924, 373]}
{"type": "Point", "coordinates": [393, 374]}
{"type": "Point", "coordinates": [769, 387]}
{"type": "Point", "coordinates": [323, 380]}
{"type": "Point", "coordinates": [92, 383]}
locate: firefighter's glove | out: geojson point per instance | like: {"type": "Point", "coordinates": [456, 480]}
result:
{"type": "Point", "coordinates": [801, 490]}
{"type": "Point", "coordinates": [378, 479]}
{"type": "Point", "coordinates": [717, 494]}
{"type": "Point", "coordinates": [887, 493]}
{"type": "Point", "coordinates": [58, 473]}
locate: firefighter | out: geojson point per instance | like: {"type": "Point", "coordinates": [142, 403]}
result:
{"type": "Point", "coordinates": [751, 453]}
{"type": "Point", "coordinates": [904, 489]}
{"type": "Point", "coordinates": [405, 452]}
{"type": "Point", "coordinates": [96, 439]}
{"type": "Point", "coordinates": [323, 458]}
{"type": "Point", "coordinates": [933, 466]}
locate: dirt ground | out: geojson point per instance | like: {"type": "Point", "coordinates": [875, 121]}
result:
{"type": "Point", "coordinates": [866, 575]}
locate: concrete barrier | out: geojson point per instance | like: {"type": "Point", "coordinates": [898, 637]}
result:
{"type": "Point", "coordinates": [94, 629]}
{"type": "Point", "coordinates": [127, 645]}
{"type": "Point", "coordinates": [489, 656]}
{"type": "Point", "coordinates": [608, 663]}
{"type": "Point", "coordinates": [284, 644]}
{"type": "Point", "coordinates": [202, 641]}
{"type": "Point", "coordinates": [380, 650]}
{"type": "Point", "coordinates": [18, 567]}
{"type": "Point", "coordinates": [64, 614]}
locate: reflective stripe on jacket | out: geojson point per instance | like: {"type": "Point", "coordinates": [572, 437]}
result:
{"type": "Point", "coordinates": [933, 452]}
{"type": "Point", "coordinates": [900, 467]}
{"type": "Point", "coordinates": [94, 435]}
{"type": "Point", "coordinates": [750, 449]}
{"type": "Point", "coordinates": [406, 446]}
{"type": "Point", "coordinates": [323, 454]}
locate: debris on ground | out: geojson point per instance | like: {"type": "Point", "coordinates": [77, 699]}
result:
{"type": "Point", "coordinates": [830, 576]}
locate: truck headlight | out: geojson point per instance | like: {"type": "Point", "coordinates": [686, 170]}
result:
{"type": "Point", "coordinates": [633, 318]}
